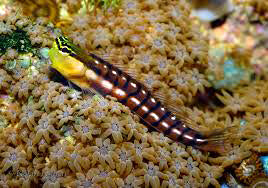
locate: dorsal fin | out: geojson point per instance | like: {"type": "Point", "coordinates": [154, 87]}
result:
{"type": "Point", "coordinates": [173, 106]}
{"type": "Point", "coordinates": [182, 113]}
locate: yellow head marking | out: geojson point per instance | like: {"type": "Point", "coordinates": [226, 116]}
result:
{"type": "Point", "coordinates": [62, 58]}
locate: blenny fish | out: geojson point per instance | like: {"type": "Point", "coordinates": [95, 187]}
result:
{"type": "Point", "coordinates": [89, 71]}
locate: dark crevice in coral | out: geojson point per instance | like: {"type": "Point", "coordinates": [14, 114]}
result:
{"type": "Point", "coordinates": [219, 22]}
{"type": "Point", "coordinates": [208, 99]}
{"type": "Point", "coordinates": [9, 171]}
{"type": "Point", "coordinates": [3, 91]}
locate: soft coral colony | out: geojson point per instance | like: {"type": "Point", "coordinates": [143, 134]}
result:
{"type": "Point", "coordinates": [55, 136]}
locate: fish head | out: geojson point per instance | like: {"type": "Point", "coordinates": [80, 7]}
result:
{"type": "Point", "coordinates": [63, 59]}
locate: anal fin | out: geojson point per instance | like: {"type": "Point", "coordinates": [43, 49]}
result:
{"type": "Point", "coordinates": [89, 92]}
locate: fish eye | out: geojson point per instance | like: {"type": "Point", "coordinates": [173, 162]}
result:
{"type": "Point", "coordinates": [65, 50]}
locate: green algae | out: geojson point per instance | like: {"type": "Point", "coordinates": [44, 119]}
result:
{"type": "Point", "coordinates": [109, 3]}
{"type": "Point", "coordinates": [18, 40]}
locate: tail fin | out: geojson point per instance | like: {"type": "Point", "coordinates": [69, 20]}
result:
{"type": "Point", "coordinates": [216, 146]}
{"type": "Point", "coordinates": [219, 141]}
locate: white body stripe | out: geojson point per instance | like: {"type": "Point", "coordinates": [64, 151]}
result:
{"type": "Point", "coordinates": [187, 136]}
{"type": "Point", "coordinates": [133, 84]}
{"type": "Point", "coordinates": [91, 75]}
{"type": "Point", "coordinates": [153, 100]}
{"type": "Point", "coordinates": [119, 92]}
{"type": "Point", "coordinates": [164, 124]}
{"type": "Point", "coordinates": [144, 108]}
{"type": "Point", "coordinates": [176, 131]}
{"type": "Point", "coordinates": [154, 115]}
{"type": "Point", "coordinates": [135, 100]}
{"type": "Point", "coordinates": [107, 84]}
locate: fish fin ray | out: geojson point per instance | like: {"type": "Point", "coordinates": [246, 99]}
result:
{"type": "Point", "coordinates": [128, 70]}
{"type": "Point", "coordinates": [89, 92]}
{"type": "Point", "coordinates": [219, 140]}
{"type": "Point", "coordinates": [180, 112]}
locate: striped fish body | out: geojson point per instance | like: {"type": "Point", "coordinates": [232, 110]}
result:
{"type": "Point", "coordinates": [92, 71]}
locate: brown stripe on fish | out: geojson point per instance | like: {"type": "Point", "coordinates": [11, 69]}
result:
{"type": "Point", "coordinates": [104, 68]}
{"type": "Point", "coordinates": [161, 124]}
{"type": "Point", "coordinates": [107, 77]}
{"type": "Point", "coordinates": [179, 132]}
{"type": "Point", "coordinates": [172, 131]}
{"type": "Point", "coordinates": [131, 91]}
{"type": "Point", "coordinates": [104, 87]}
{"type": "Point", "coordinates": [137, 99]}
{"type": "Point", "coordinates": [119, 80]}
{"type": "Point", "coordinates": [113, 75]}
{"type": "Point", "coordinates": [133, 94]}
